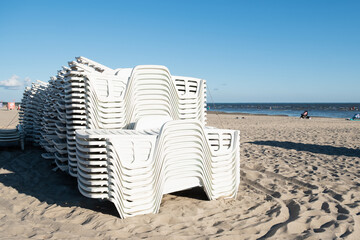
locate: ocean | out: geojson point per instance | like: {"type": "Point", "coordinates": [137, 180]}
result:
{"type": "Point", "coordinates": [331, 110]}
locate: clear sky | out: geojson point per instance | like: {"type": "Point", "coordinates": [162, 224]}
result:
{"type": "Point", "coordinates": [248, 51]}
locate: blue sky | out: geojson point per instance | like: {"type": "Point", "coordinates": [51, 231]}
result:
{"type": "Point", "coordinates": [248, 51]}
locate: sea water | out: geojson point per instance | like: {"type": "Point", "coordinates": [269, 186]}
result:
{"type": "Point", "coordinates": [332, 110]}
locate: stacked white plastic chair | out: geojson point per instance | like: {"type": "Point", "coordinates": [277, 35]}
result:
{"type": "Point", "coordinates": [53, 124]}
{"type": "Point", "coordinates": [134, 168]}
{"type": "Point", "coordinates": [61, 157]}
{"type": "Point", "coordinates": [80, 103]}
{"type": "Point", "coordinates": [32, 108]}
{"type": "Point", "coordinates": [131, 135]}
{"type": "Point", "coordinates": [98, 97]}
{"type": "Point", "coordinates": [12, 136]}
{"type": "Point", "coordinates": [42, 116]}
{"type": "Point", "coordinates": [152, 90]}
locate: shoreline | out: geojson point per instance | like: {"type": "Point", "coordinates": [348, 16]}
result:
{"type": "Point", "coordinates": [264, 115]}
{"type": "Point", "coordinates": [243, 114]}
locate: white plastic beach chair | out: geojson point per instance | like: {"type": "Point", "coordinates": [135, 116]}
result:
{"type": "Point", "coordinates": [131, 135]}
{"type": "Point", "coordinates": [134, 168]}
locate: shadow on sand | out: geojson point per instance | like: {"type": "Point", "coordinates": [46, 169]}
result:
{"type": "Point", "coordinates": [313, 148]}
{"type": "Point", "coordinates": [194, 193]}
{"type": "Point", "coordinates": [30, 174]}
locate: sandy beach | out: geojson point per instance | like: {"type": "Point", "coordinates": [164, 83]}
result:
{"type": "Point", "coordinates": [300, 179]}
{"type": "Point", "coordinates": [8, 119]}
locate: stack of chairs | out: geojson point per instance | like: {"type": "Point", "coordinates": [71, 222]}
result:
{"type": "Point", "coordinates": [32, 109]}
{"type": "Point", "coordinates": [54, 124]}
{"type": "Point", "coordinates": [10, 137]}
{"type": "Point", "coordinates": [131, 135]}
{"type": "Point", "coordinates": [85, 85]}
{"type": "Point", "coordinates": [134, 168]}
{"type": "Point", "coordinates": [97, 97]}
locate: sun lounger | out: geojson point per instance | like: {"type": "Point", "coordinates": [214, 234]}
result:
{"type": "Point", "coordinates": [134, 168]}
{"type": "Point", "coordinates": [130, 135]}
{"type": "Point", "coordinates": [9, 137]}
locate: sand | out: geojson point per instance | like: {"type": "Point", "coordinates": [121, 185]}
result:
{"type": "Point", "coordinates": [8, 118]}
{"type": "Point", "coordinates": [299, 179]}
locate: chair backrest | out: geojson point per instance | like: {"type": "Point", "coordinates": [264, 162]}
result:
{"type": "Point", "coordinates": [151, 122]}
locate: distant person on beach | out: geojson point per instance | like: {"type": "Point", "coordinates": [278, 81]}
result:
{"type": "Point", "coordinates": [356, 117]}
{"type": "Point", "coordinates": [305, 115]}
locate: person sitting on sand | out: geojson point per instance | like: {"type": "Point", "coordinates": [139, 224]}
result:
{"type": "Point", "coordinates": [305, 115]}
{"type": "Point", "coordinates": [356, 117]}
